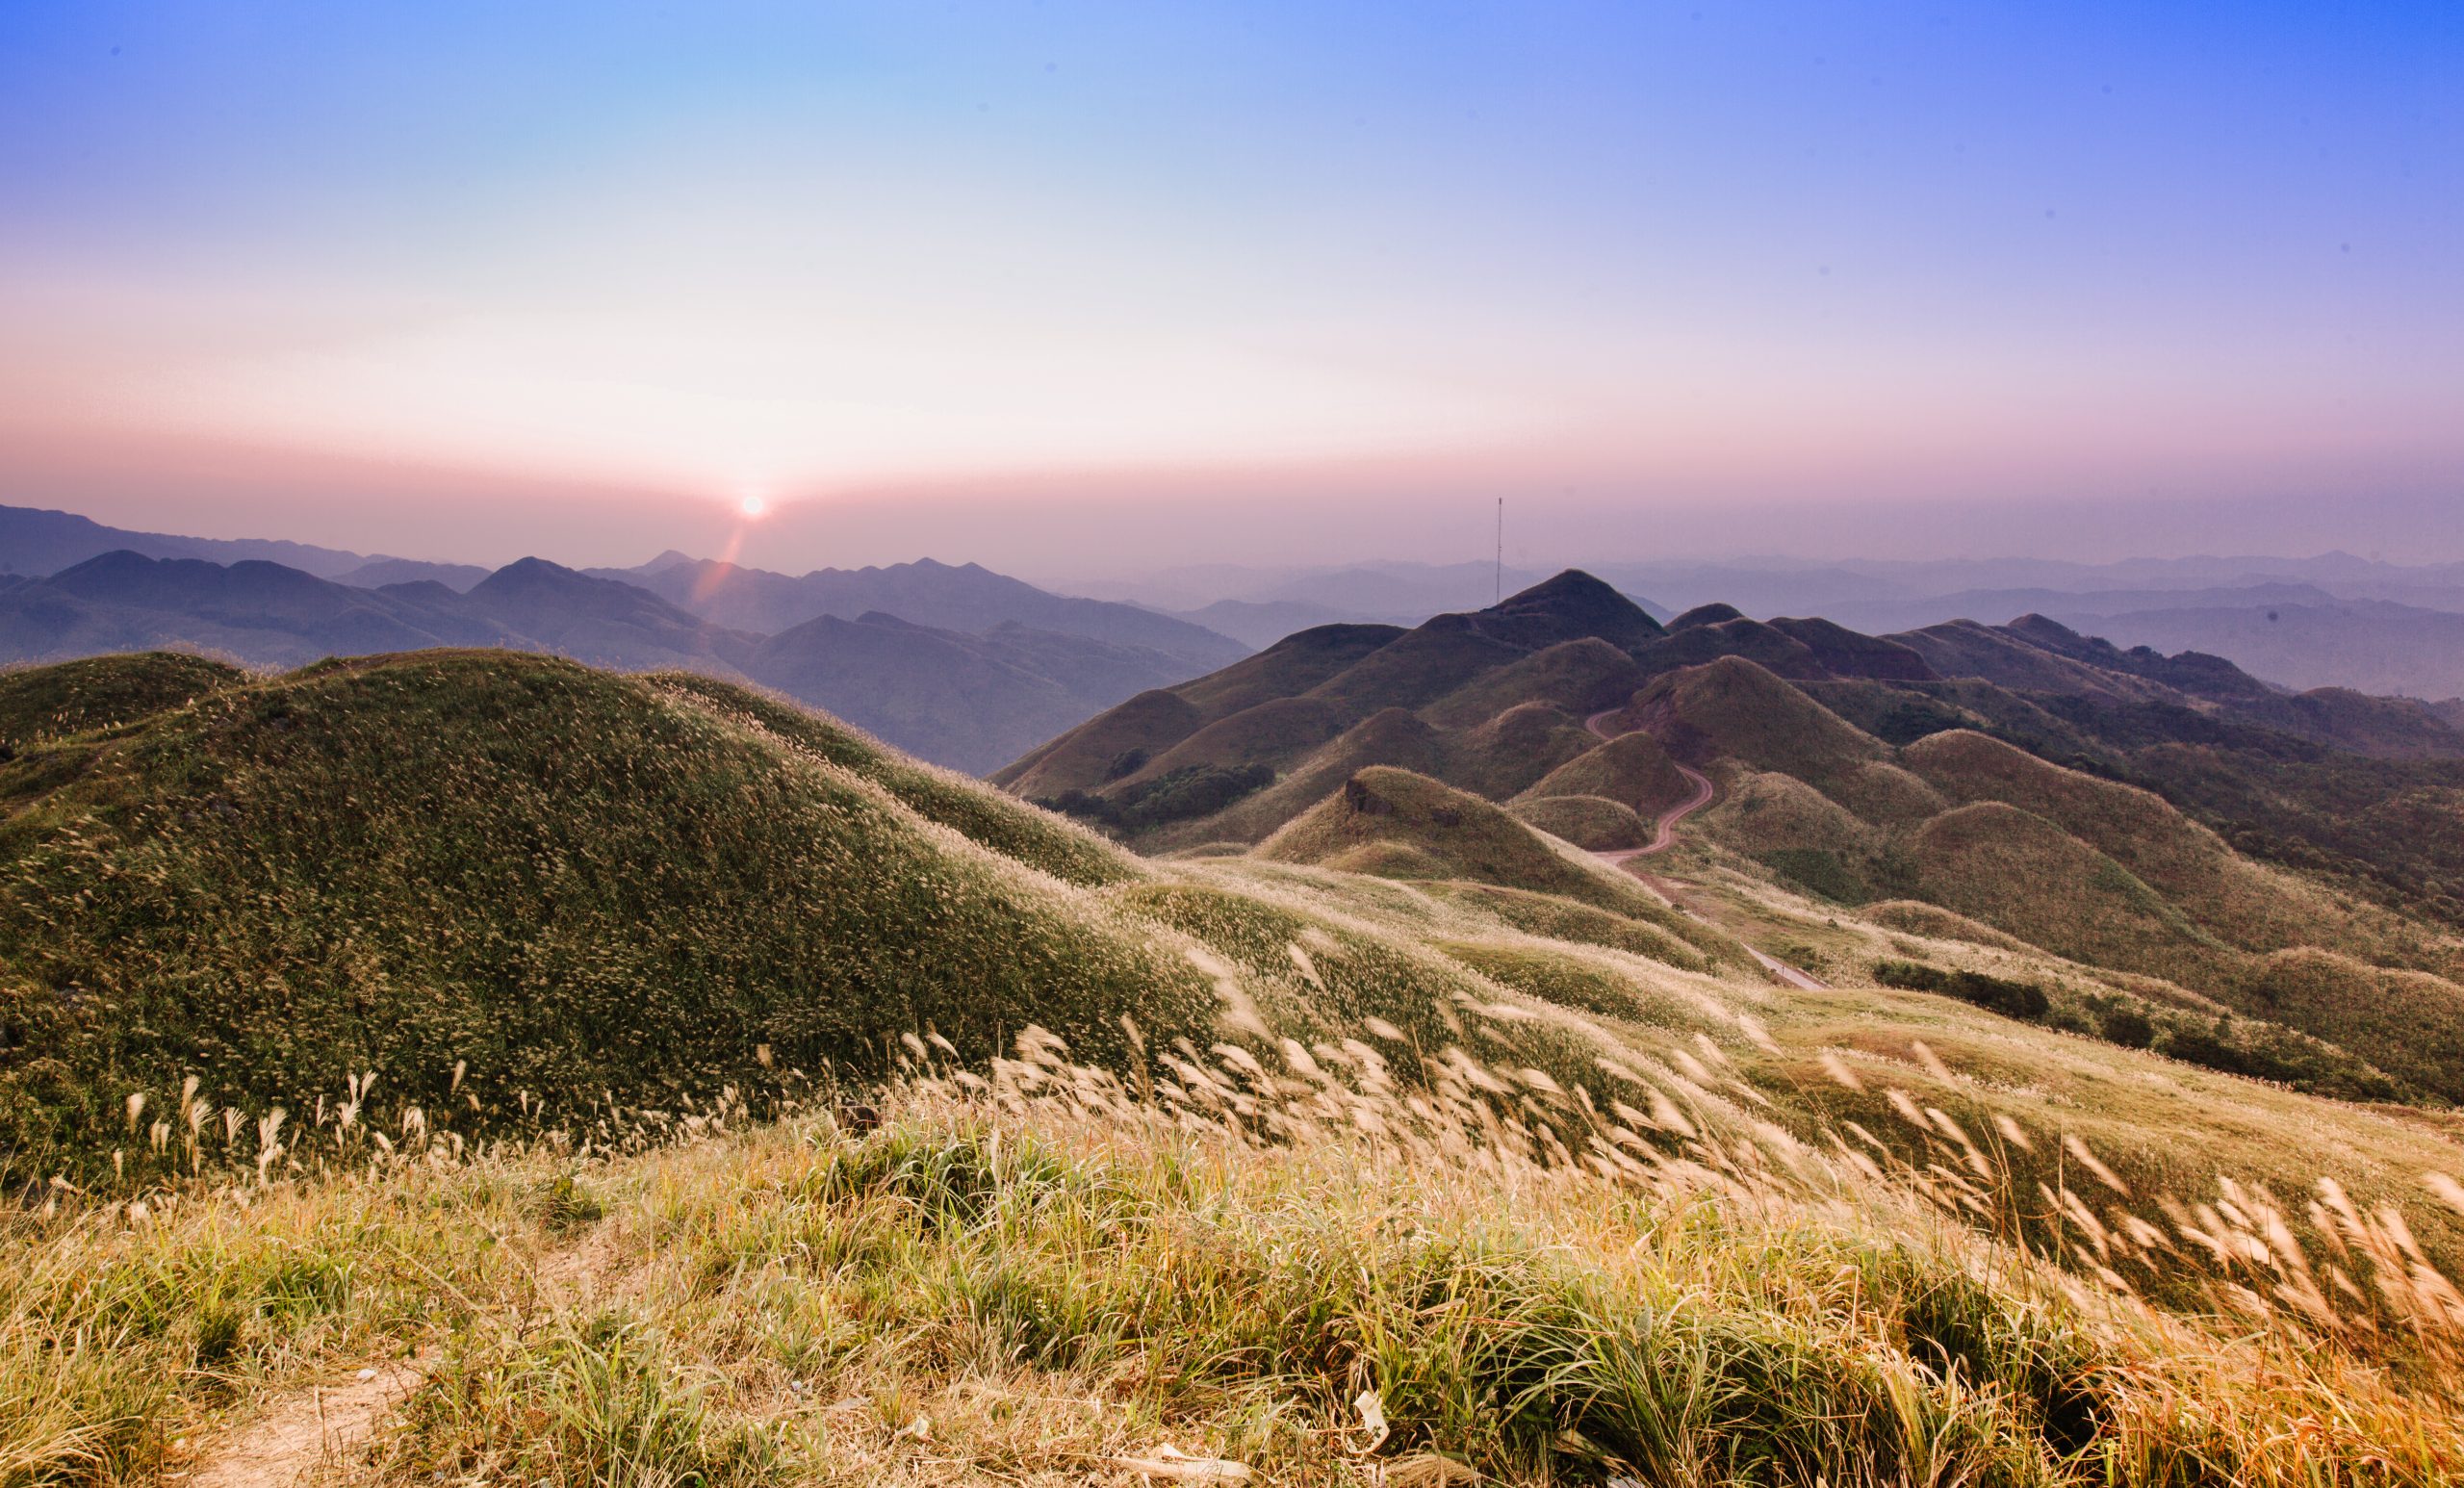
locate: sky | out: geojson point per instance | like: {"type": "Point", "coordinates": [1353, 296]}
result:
{"type": "Point", "coordinates": [1072, 288]}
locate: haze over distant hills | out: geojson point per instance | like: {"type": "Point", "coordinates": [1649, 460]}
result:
{"type": "Point", "coordinates": [991, 666]}
{"type": "Point", "coordinates": [36, 542]}
{"type": "Point", "coordinates": [2321, 622]}
{"type": "Point", "coordinates": [966, 597]}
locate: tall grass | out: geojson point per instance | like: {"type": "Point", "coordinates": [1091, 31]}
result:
{"type": "Point", "coordinates": [1299, 1263]}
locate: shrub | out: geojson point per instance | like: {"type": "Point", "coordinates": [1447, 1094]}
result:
{"type": "Point", "coordinates": [2208, 1049]}
{"type": "Point", "coordinates": [2023, 1000]}
{"type": "Point", "coordinates": [1907, 722]}
{"type": "Point", "coordinates": [1176, 795]}
{"type": "Point", "coordinates": [2125, 1025]}
{"type": "Point", "coordinates": [2270, 1051]}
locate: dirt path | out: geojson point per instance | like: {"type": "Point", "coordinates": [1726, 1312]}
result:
{"type": "Point", "coordinates": [304, 1431]}
{"type": "Point", "coordinates": [308, 1430]}
{"type": "Point", "coordinates": [1787, 973]}
{"type": "Point", "coordinates": [1665, 837]}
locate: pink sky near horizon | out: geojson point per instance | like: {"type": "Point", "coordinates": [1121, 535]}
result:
{"type": "Point", "coordinates": [1077, 293]}
{"type": "Point", "coordinates": [1103, 523]}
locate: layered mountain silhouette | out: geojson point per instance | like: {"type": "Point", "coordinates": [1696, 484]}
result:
{"type": "Point", "coordinates": [969, 700]}
{"type": "Point", "coordinates": [34, 542]}
{"type": "Point", "coordinates": [1502, 692]}
{"type": "Point", "coordinates": [2331, 620]}
{"type": "Point", "coordinates": [1568, 692]}
{"type": "Point", "coordinates": [965, 597]}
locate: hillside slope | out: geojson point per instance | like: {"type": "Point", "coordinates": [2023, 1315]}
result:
{"type": "Point", "coordinates": [339, 932]}
{"type": "Point", "coordinates": [506, 878]}
{"type": "Point", "coordinates": [2362, 787]}
{"type": "Point", "coordinates": [566, 880]}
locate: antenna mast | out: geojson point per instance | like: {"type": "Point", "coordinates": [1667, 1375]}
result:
{"type": "Point", "coordinates": [1499, 596]}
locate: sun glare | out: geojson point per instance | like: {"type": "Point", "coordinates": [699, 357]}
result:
{"type": "Point", "coordinates": [754, 505]}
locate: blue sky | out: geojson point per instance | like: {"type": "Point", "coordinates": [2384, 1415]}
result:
{"type": "Point", "coordinates": [359, 270]}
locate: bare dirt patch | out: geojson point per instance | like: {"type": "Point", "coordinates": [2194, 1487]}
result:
{"type": "Point", "coordinates": [309, 1429]}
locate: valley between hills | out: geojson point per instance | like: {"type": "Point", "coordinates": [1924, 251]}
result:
{"type": "Point", "coordinates": [1537, 1045]}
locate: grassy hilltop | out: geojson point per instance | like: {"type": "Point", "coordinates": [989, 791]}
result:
{"type": "Point", "coordinates": [425, 1015]}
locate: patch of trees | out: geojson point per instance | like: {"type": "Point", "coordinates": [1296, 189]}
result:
{"type": "Point", "coordinates": [2022, 1000]}
{"type": "Point", "coordinates": [1820, 870]}
{"type": "Point", "coordinates": [2270, 1051]}
{"type": "Point", "coordinates": [1190, 791]}
{"type": "Point", "coordinates": [2235, 1046]}
{"type": "Point", "coordinates": [1911, 718]}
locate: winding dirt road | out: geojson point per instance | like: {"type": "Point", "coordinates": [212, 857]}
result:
{"type": "Point", "coordinates": [1664, 837]}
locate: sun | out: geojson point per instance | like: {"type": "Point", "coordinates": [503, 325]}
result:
{"type": "Point", "coordinates": [754, 504]}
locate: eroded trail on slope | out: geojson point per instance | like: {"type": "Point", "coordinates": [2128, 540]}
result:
{"type": "Point", "coordinates": [310, 1429]}
{"type": "Point", "coordinates": [1664, 837]}
{"type": "Point", "coordinates": [305, 1433]}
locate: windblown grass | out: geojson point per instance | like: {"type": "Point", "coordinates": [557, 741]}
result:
{"type": "Point", "coordinates": [1041, 1271]}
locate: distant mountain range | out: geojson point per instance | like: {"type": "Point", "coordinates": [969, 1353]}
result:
{"type": "Point", "coordinates": [969, 667]}
{"type": "Point", "coordinates": [967, 597]}
{"type": "Point", "coordinates": [2334, 620]}
{"type": "Point", "coordinates": [959, 665]}
{"type": "Point", "coordinates": [34, 542]}
{"type": "Point", "coordinates": [1493, 701]}
{"type": "Point", "coordinates": [2371, 645]}
{"type": "Point", "coordinates": [2241, 854]}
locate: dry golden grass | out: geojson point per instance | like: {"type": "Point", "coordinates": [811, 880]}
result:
{"type": "Point", "coordinates": [1593, 823]}
{"type": "Point", "coordinates": [1292, 1263]}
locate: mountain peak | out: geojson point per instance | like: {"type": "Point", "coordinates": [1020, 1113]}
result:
{"type": "Point", "coordinates": [532, 568]}
{"type": "Point", "coordinates": [1570, 606]}
{"type": "Point", "coordinates": [1711, 614]}
{"type": "Point", "coordinates": [2045, 630]}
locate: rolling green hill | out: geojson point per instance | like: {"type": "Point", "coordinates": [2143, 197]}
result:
{"type": "Point", "coordinates": [1385, 819]}
{"type": "Point", "coordinates": [1631, 768]}
{"type": "Point", "coordinates": [453, 899]}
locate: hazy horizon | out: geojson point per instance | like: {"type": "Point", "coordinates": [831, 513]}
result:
{"type": "Point", "coordinates": [796, 541]}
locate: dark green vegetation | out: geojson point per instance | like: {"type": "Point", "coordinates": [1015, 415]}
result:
{"type": "Point", "coordinates": [98, 696]}
{"type": "Point", "coordinates": [580, 887]}
{"type": "Point", "coordinates": [1996, 995]}
{"type": "Point", "coordinates": [1176, 795]}
{"type": "Point", "coordinates": [515, 890]}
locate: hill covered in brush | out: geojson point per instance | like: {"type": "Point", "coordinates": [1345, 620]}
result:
{"type": "Point", "coordinates": [371, 916]}
{"type": "Point", "coordinates": [1500, 701]}
{"type": "Point", "coordinates": [497, 881]}
{"type": "Point", "coordinates": [1495, 701]}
